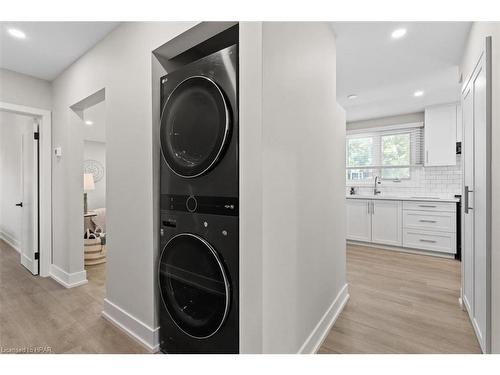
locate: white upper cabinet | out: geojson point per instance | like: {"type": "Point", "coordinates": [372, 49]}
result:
{"type": "Point", "coordinates": [440, 135]}
{"type": "Point", "coordinates": [459, 123]}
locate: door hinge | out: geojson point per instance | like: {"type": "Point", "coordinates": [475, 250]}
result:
{"type": "Point", "coordinates": [36, 136]}
{"type": "Point", "coordinates": [37, 255]}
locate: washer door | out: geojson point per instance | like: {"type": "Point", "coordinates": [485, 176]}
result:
{"type": "Point", "coordinates": [194, 128]}
{"type": "Point", "coordinates": [193, 285]}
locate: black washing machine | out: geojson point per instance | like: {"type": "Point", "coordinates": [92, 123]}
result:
{"type": "Point", "coordinates": [198, 266]}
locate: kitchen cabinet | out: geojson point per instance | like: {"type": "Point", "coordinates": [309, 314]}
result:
{"type": "Point", "coordinates": [412, 224]}
{"type": "Point", "coordinates": [440, 135]}
{"type": "Point", "coordinates": [430, 226]}
{"type": "Point", "coordinates": [476, 211]}
{"type": "Point", "coordinates": [359, 220]}
{"type": "Point", "coordinates": [374, 221]}
{"type": "Point", "coordinates": [386, 222]}
{"type": "Point", "coordinates": [459, 123]}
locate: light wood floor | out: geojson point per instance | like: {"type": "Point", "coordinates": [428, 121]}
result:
{"type": "Point", "coordinates": [39, 312]}
{"type": "Point", "coordinates": [401, 303]}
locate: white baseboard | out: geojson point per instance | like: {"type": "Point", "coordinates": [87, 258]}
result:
{"type": "Point", "coordinates": [402, 249]}
{"type": "Point", "coordinates": [68, 280]}
{"type": "Point", "coordinates": [319, 333]}
{"type": "Point", "coordinates": [11, 241]}
{"type": "Point", "coordinates": [136, 329]}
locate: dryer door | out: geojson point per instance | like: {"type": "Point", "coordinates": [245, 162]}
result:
{"type": "Point", "coordinates": [193, 285]}
{"type": "Point", "coordinates": [195, 125]}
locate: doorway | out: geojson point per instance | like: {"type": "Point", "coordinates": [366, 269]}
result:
{"type": "Point", "coordinates": [25, 220]}
{"type": "Point", "coordinates": [91, 131]}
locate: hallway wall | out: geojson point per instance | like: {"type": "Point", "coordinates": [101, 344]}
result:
{"type": "Point", "coordinates": [17, 88]}
{"type": "Point", "coordinates": [303, 165]}
{"type": "Point", "coordinates": [121, 64]}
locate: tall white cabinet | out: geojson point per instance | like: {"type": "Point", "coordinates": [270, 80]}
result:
{"type": "Point", "coordinates": [476, 216]}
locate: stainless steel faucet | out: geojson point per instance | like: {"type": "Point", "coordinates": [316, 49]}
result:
{"type": "Point", "coordinates": [377, 181]}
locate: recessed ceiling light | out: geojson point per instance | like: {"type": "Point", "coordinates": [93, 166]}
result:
{"type": "Point", "coordinates": [16, 33]}
{"type": "Point", "coordinates": [398, 33]}
{"type": "Point", "coordinates": [418, 93]}
{"type": "Point", "coordinates": [352, 96]}
{"type": "Point", "coordinates": [88, 122]}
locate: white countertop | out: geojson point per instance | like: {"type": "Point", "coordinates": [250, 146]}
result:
{"type": "Point", "coordinates": [402, 198]}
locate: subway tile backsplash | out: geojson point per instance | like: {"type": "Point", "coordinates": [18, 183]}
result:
{"type": "Point", "coordinates": [425, 181]}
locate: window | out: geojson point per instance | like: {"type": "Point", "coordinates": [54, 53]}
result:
{"type": "Point", "coordinates": [389, 154]}
{"type": "Point", "coordinates": [395, 151]}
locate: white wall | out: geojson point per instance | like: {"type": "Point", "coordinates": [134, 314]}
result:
{"type": "Point", "coordinates": [12, 126]}
{"type": "Point", "coordinates": [303, 166]}
{"type": "Point", "coordinates": [475, 44]}
{"type": "Point", "coordinates": [96, 151]}
{"type": "Point", "coordinates": [121, 64]}
{"type": "Point", "coordinates": [16, 88]}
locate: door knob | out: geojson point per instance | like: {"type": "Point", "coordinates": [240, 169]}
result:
{"type": "Point", "coordinates": [20, 204]}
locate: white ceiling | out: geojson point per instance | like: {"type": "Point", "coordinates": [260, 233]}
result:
{"type": "Point", "coordinates": [385, 72]}
{"type": "Point", "coordinates": [49, 47]}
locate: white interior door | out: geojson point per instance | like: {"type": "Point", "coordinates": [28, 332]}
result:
{"type": "Point", "coordinates": [468, 217]}
{"type": "Point", "coordinates": [29, 230]}
{"type": "Point", "coordinates": [477, 199]}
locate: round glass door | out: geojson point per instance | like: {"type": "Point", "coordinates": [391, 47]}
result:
{"type": "Point", "coordinates": [194, 127]}
{"type": "Point", "coordinates": [193, 285]}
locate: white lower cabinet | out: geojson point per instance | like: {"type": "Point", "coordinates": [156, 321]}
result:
{"type": "Point", "coordinates": [374, 221]}
{"type": "Point", "coordinates": [386, 222]}
{"type": "Point", "coordinates": [418, 225]}
{"type": "Point", "coordinates": [359, 223]}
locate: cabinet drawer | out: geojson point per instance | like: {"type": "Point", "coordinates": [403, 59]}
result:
{"type": "Point", "coordinates": [429, 206]}
{"type": "Point", "coordinates": [429, 240]}
{"type": "Point", "coordinates": [430, 220]}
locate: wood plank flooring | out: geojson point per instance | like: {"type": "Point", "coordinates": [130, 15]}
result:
{"type": "Point", "coordinates": [401, 303]}
{"type": "Point", "coordinates": [39, 312]}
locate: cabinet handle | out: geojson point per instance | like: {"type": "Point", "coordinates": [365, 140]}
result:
{"type": "Point", "coordinates": [368, 208]}
{"type": "Point", "coordinates": [427, 221]}
{"type": "Point", "coordinates": [466, 198]}
{"type": "Point", "coordinates": [373, 208]}
{"type": "Point", "coordinates": [430, 241]}
{"type": "Point", "coordinates": [427, 156]}
{"type": "Point", "coordinates": [426, 206]}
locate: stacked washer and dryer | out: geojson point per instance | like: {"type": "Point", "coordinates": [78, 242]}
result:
{"type": "Point", "coordinates": [198, 266]}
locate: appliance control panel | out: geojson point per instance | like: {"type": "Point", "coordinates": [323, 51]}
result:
{"type": "Point", "coordinates": [200, 204]}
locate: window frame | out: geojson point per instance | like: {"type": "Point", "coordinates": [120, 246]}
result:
{"type": "Point", "coordinates": [377, 134]}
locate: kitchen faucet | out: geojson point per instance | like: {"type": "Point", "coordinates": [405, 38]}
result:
{"type": "Point", "coordinates": [377, 181]}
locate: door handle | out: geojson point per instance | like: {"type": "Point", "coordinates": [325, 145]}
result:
{"type": "Point", "coordinates": [20, 204]}
{"type": "Point", "coordinates": [466, 198]}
